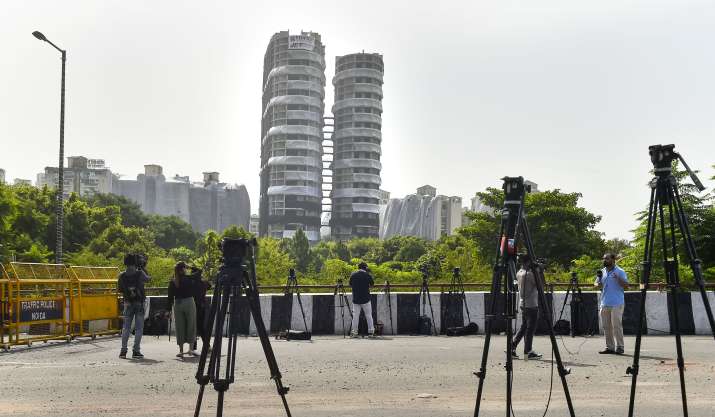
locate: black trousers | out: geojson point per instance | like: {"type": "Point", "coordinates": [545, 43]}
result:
{"type": "Point", "coordinates": [201, 329]}
{"type": "Point", "coordinates": [529, 317]}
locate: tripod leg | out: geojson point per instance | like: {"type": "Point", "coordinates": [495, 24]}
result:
{"type": "Point", "coordinates": [671, 269]}
{"type": "Point", "coordinates": [302, 312]}
{"type": "Point", "coordinates": [695, 264]}
{"type": "Point", "coordinates": [539, 275]}
{"type": "Point", "coordinates": [255, 305]}
{"type": "Point", "coordinates": [201, 377]}
{"type": "Point", "coordinates": [647, 264]}
{"type": "Point", "coordinates": [482, 373]}
{"type": "Point", "coordinates": [429, 299]}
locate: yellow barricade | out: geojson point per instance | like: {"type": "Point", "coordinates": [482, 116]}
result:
{"type": "Point", "coordinates": [4, 307]}
{"type": "Point", "coordinates": [38, 302]}
{"type": "Point", "coordinates": [95, 301]}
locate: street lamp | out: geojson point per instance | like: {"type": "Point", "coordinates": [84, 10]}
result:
{"type": "Point", "coordinates": [61, 185]}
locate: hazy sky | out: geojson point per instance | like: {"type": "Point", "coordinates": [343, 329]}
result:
{"type": "Point", "coordinates": [568, 94]}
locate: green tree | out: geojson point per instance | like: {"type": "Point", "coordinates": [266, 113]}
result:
{"type": "Point", "coordinates": [411, 249]}
{"type": "Point", "coordinates": [182, 254]}
{"type": "Point", "coordinates": [273, 263]}
{"type": "Point", "coordinates": [696, 209]}
{"type": "Point", "coordinates": [299, 251]}
{"type": "Point", "coordinates": [561, 230]}
{"type": "Point", "coordinates": [208, 253]}
{"type": "Point", "coordinates": [130, 212]}
{"type": "Point", "coordinates": [236, 232]}
{"type": "Point", "coordinates": [171, 231]}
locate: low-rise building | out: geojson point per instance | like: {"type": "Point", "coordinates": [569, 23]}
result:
{"type": "Point", "coordinates": [206, 205]}
{"type": "Point", "coordinates": [423, 214]}
{"type": "Point", "coordinates": [82, 176]}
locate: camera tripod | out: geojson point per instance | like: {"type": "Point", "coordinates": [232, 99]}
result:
{"type": "Point", "coordinates": [388, 297]}
{"type": "Point", "coordinates": [576, 304]}
{"type": "Point", "coordinates": [424, 299]}
{"type": "Point", "coordinates": [236, 276]}
{"type": "Point", "coordinates": [456, 292]}
{"type": "Point", "coordinates": [344, 303]}
{"type": "Point", "coordinates": [513, 222]}
{"type": "Point", "coordinates": [664, 194]}
{"type": "Point", "coordinates": [292, 288]}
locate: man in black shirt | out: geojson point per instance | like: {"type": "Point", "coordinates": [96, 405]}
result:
{"type": "Point", "coordinates": [131, 285]}
{"type": "Point", "coordinates": [361, 281]}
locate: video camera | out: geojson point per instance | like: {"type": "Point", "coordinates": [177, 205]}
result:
{"type": "Point", "coordinates": [137, 259]}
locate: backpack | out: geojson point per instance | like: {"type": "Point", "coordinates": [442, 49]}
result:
{"type": "Point", "coordinates": [471, 328]}
{"type": "Point", "coordinates": [562, 327]}
{"type": "Point", "coordinates": [424, 325]}
{"type": "Point", "coordinates": [132, 289]}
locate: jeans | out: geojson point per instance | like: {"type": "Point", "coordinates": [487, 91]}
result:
{"type": "Point", "coordinates": [367, 308]}
{"type": "Point", "coordinates": [133, 311]}
{"type": "Point", "coordinates": [612, 321]}
{"type": "Point", "coordinates": [529, 317]}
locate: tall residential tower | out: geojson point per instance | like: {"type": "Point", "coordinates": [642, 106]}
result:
{"type": "Point", "coordinates": [291, 135]}
{"type": "Point", "coordinates": [357, 138]}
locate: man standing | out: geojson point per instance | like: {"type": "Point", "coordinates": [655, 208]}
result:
{"type": "Point", "coordinates": [361, 281]}
{"type": "Point", "coordinates": [529, 305]}
{"type": "Point", "coordinates": [613, 281]}
{"type": "Point", "coordinates": [131, 285]}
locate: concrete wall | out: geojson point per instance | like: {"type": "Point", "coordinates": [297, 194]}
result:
{"type": "Point", "coordinates": [324, 315]}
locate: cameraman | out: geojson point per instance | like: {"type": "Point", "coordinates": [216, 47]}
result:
{"type": "Point", "coordinates": [131, 285]}
{"type": "Point", "coordinates": [360, 282]}
{"type": "Point", "coordinates": [529, 305]}
{"type": "Point", "coordinates": [201, 286]}
{"type": "Point", "coordinates": [613, 282]}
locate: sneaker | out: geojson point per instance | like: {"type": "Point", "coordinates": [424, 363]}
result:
{"type": "Point", "coordinates": [513, 354]}
{"type": "Point", "coordinates": [620, 351]}
{"type": "Point", "coordinates": [371, 336]}
{"type": "Point", "coordinates": [194, 353]}
{"type": "Point", "coordinates": [532, 355]}
{"type": "Point", "coordinates": [353, 335]}
{"type": "Point", "coordinates": [123, 354]}
{"type": "Point", "coordinates": [607, 351]}
{"type": "Point", "coordinates": [137, 355]}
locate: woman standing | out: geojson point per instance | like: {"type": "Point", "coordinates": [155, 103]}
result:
{"type": "Point", "coordinates": [181, 296]}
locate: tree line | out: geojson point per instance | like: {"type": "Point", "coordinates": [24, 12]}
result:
{"type": "Point", "coordinates": [100, 229]}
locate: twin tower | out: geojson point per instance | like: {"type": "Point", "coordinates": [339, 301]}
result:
{"type": "Point", "coordinates": [313, 164]}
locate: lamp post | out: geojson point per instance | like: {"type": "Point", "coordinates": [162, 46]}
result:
{"type": "Point", "coordinates": [61, 179]}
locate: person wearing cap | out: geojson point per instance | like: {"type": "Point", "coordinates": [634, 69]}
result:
{"type": "Point", "coordinates": [360, 282]}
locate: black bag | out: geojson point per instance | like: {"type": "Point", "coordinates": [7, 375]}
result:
{"type": "Point", "coordinates": [424, 325]}
{"type": "Point", "coordinates": [471, 328]}
{"type": "Point", "coordinates": [132, 289]}
{"type": "Point", "coordinates": [562, 327]}
{"type": "Point", "coordinates": [294, 335]}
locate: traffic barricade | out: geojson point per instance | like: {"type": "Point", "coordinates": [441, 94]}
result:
{"type": "Point", "coordinates": [38, 302]}
{"type": "Point", "coordinates": [95, 301]}
{"type": "Point", "coordinates": [4, 308]}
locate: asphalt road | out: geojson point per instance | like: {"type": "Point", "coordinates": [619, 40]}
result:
{"type": "Point", "coordinates": [332, 376]}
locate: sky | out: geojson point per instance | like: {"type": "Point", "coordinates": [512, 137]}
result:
{"type": "Point", "coordinates": [567, 94]}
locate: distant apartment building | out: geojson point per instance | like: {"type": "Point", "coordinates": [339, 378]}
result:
{"type": "Point", "coordinates": [478, 206]}
{"type": "Point", "coordinates": [2, 176]}
{"type": "Point", "coordinates": [21, 181]}
{"type": "Point", "coordinates": [423, 214]}
{"type": "Point", "coordinates": [292, 135]}
{"type": "Point", "coordinates": [253, 225]}
{"type": "Point", "coordinates": [384, 197]}
{"type": "Point", "coordinates": [357, 140]}
{"type": "Point", "coordinates": [210, 204]}
{"type": "Point", "coordinates": [83, 176]}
